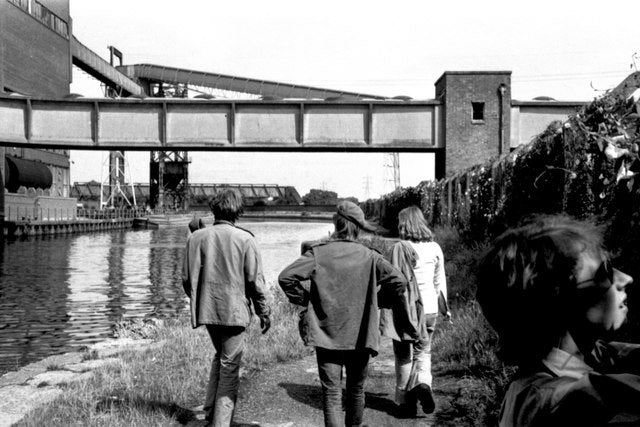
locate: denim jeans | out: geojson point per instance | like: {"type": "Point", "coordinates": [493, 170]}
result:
{"type": "Point", "coordinates": [413, 361]}
{"type": "Point", "coordinates": [330, 363]}
{"type": "Point", "coordinates": [224, 378]}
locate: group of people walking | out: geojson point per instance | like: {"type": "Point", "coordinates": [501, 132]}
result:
{"type": "Point", "coordinates": [547, 288]}
{"type": "Point", "coordinates": [351, 297]}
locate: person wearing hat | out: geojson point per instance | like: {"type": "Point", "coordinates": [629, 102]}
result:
{"type": "Point", "coordinates": [347, 282]}
{"type": "Point", "coordinates": [549, 290]}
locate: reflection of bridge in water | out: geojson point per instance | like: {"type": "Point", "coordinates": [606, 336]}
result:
{"type": "Point", "coordinates": [63, 293]}
{"type": "Point", "coordinates": [60, 294]}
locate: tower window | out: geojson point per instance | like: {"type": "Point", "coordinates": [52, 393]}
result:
{"type": "Point", "coordinates": [477, 111]}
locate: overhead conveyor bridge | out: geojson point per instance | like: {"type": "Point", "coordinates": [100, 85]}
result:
{"type": "Point", "coordinates": [91, 63]}
{"type": "Point", "coordinates": [239, 125]}
{"type": "Point", "coordinates": [149, 73]}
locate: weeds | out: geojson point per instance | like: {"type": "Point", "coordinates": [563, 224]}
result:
{"type": "Point", "coordinates": [90, 355]}
{"type": "Point", "coordinates": [136, 328]}
{"type": "Point", "coordinates": [467, 348]}
{"type": "Point", "coordinates": [54, 367]}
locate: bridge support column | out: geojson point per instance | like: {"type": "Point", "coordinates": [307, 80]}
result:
{"type": "Point", "coordinates": [440, 165]}
{"type": "Point", "coordinates": [169, 179]}
{"type": "Point", "coordinates": [2, 172]}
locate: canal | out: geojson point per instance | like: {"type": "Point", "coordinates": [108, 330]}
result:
{"type": "Point", "coordinates": [58, 294]}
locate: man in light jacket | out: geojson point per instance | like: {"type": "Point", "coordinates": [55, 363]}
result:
{"type": "Point", "coordinates": [222, 275]}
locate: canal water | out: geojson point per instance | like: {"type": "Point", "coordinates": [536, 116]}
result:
{"type": "Point", "coordinates": [60, 293]}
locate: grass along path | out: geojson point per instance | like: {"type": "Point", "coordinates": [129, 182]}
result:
{"type": "Point", "coordinates": [161, 382]}
{"type": "Point", "coordinates": [126, 385]}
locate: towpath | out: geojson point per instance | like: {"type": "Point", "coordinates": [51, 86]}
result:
{"type": "Point", "coordinates": [289, 395]}
{"type": "Point", "coordinates": [282, 395]}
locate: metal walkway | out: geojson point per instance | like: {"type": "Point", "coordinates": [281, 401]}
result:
{"type": "Point", "coordinates": [91, 63]}
{"type": "Point", "coordinates": [158, 73]}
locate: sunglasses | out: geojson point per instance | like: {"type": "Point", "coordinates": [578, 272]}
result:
{"type": "Point", "coordinates": [603, 277]}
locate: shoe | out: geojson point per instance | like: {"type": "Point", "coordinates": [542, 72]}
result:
{"type": "Point", "coordinates": [423, 393]}
{"type": "Point", "coordinates": [406, 410]}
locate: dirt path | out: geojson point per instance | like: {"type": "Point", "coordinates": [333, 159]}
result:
{"type": "Point", "coordinates": [289, 394]}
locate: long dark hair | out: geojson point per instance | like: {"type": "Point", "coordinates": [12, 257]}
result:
{"type": "Point", "coordinates": [344, 229]}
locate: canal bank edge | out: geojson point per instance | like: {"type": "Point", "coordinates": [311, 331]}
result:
{"type": "Point", "coordinates": [41, 382]}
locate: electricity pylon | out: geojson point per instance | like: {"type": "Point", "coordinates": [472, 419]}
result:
{"type": "Point", "coordinates": [112, 188]}
{"type": "Point", "coordinates": [392, 170]}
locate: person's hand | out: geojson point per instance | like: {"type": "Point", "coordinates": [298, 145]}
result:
{"type": "Point", "coordinates": [447, 318]}
{"type": "Point", "coordinates": [265, 323]}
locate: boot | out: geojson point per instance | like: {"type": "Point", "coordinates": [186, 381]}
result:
{"type": "Point", "coordinates": [423, 393]}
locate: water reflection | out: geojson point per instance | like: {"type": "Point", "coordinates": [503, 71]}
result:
{"type": "Point", "coordinates": [89, 277]}
{"type": "Point", "coordinates": [59, 293]}
{"type": "Point", "coordinates": [33, 300]}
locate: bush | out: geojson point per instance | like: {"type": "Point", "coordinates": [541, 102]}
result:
{"type": "Point", "coordinates": [320, 197]}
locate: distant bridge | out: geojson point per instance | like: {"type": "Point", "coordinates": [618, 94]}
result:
{"type": "Point", "coordinates": [89, 192]}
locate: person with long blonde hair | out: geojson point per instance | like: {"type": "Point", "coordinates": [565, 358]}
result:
{"type": "Point", "coordinates": [420, 258]}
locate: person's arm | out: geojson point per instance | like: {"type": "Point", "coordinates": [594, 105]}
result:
{"type": "Point", "coordinates": [291, 278]}
{"type": "Point", "coordinates": [440, 284]}
{"type": "Point", "coordinates": [190, 267]}
{"type": "Point", "coordinates": [391, 280]}
{"type": "Point", "coordinates": [397, 255]}
{"type": "Point", "coordinates": [254, 280]}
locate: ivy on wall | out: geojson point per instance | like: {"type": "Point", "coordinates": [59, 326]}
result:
{"type": "Point", "coordinates": [586, 167]}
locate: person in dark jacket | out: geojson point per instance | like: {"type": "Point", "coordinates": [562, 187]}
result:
{"type": "Point", "coordinates": [347, 282]}
{"type": "Point", "coordinates": [549, 290]}
{"type": "Point", "coordinates": [222, 275]}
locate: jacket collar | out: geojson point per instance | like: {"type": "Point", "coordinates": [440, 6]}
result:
{"type": "Point", "coordinates": [222, 221]}
{"type": "Point", "coordinates": [564, 364]}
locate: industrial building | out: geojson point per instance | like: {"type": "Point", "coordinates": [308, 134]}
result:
{"type": "Point", "coordinates": [471, 119]}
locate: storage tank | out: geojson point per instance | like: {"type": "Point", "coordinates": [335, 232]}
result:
{"type": "Point", "coordinates": [27, 173]}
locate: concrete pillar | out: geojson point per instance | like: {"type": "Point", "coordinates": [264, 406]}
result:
{"type": "Point", "coordinates": [2, 154]}
{"type": "Point", "coordinates": [161, 183]}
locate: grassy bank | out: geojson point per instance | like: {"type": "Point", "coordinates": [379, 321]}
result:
{"type": "Point", "coordinates": [157, 386]}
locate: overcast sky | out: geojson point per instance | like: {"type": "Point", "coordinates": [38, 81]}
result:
{"type": "Point", "coordinates": [567, 50]}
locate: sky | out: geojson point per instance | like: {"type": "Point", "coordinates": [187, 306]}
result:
{"type": "Point", "coordinates": [568, 50]}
